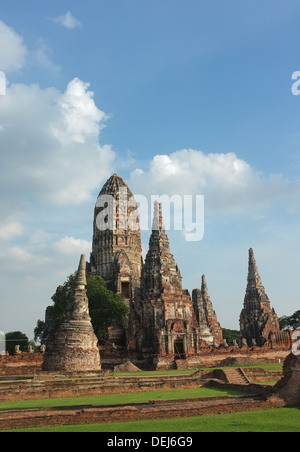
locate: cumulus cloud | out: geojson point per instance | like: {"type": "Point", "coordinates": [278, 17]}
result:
{"type": "Point", "coordinates": [73, 246]}
{"type": "Point", "coordinates": [68, 21]}
{"type": "Point", "coordinates": [10, 230]}
{"type": "Point", "coordinates": [229, 183]}
{"type": "Point", "coordinates": [81, 117]}
{"type": "Point", "coordinates": [13, 51]}
{"type": "Point", "coordinates": [50, 144]}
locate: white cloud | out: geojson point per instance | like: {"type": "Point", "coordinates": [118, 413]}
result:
{"type": "Point", "coordinates": [68, 21]}
{"type": "Point", "coordinates": [73, 246]}
{"type": "Point", "coordinates": [10, 230]}
{"type": "Point", "coordinates": [82, 119]}
{"type": "Point", "coordinates": [43, 55]}
{"type": "Point", "coordinates": [50, 144]}
{"type": "Point", "coordinates": [229, 183]}
{"type": "Point", "coordinates": [13, 51]}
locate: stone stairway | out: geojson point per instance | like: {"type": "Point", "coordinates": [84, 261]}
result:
{"type": "Point", "coordinates": [236, 376]}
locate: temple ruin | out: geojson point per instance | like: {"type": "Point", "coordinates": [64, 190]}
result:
{"type": "Point", "coordinates": [287, 389]}
{"type": "Point", "coordinates": [73, 346]}
{"type": "Point", "coordinates": [257, 320]}
{"type": "Point", "coordinates": [117, 249]}
{"type": "Point", "coordinates": [210, 330]}
{"type": "Point", "coordinates": [166, 325]}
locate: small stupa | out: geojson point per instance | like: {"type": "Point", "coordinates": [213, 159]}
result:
{"type": "Point", "coordinates": [73, 346]}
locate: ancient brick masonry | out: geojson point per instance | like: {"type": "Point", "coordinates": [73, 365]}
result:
{"type": "Point", "coordinates": [162, 317]}
{"type": "Point", "coordinates": [288, 389]}
{"type": "Point", "coordinates": [168, 322]}
{"type": "Point", "coordinates": [117, 250]}
{"type": "Point", "coordinates": [165, 327]}
{"type": "Point", "coordinates": [258, 320]}
{"type": "Point", "coordinates": [73, 347]}
{"type": "Point", "coordinates": [210, 330]}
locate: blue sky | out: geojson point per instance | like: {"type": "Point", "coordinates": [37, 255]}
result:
{"type": "Point", "coordinates": [179, 97]}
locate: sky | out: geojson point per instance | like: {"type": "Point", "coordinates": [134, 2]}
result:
{"type": "Point", "coordinates": [178, 98]}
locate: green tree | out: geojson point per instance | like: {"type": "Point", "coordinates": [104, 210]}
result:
{"type": "Point", "coordinates": [60, 299]}
{"type": "Point", "coordinates": [106, 308]}
{"type": "Point", "coordinates": [292, 322]}
{"type": "Point", "coordinates": [39, 330]}
{"type": "Point", "coordinates": [231, 335]}
{"type": "Point", "coordinates": [16, 338]}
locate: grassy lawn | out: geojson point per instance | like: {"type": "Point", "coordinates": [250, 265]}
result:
{"type": "Point", "coordinates": [272, 420]}
{"type": "Point", "coordinates": [154, 373]}
{"type": "Point", "coordinates": [116, 399]}
{"type": "Point", "coordinates": [265, 366]}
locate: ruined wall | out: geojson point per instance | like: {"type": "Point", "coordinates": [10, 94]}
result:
{"type": "Point", "coordinates": [288, 389]}
{"type": "Point", "coordinates": [22, 364]}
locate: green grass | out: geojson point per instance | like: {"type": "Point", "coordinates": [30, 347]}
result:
{"type": "Point", "coordinates": [155, 373]}
{"type": "Point", "coordinates": [271, 421]}
{"type": "Point", "coordinates": [116, 399]}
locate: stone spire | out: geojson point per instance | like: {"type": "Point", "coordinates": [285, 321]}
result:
{"type": "Point", "coordinates": [204, 288]}
{"type": "Point", "coordinates": [73, 346]}
{"type": "Point", "coordinates": [257, 319]}
{"type": "Point", "coordinates": [254, 280]}
{"type": "Point", "coordinates": [210, 329]}
{"type": "Point", "coordinates": [81, 274]}
{"type": "Point", "coordinates": [78, 306]}
{"type": "Point", "coordinates": [159, 240]}
{"type": "Point", "coordinates": [160, 271]}
{"type": "Point", "coordinates": [117, 250]}
{"type": "Point", "coordinates": [169, 327]}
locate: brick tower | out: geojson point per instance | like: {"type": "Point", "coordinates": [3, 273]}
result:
{"type": "Point", "coordinates": [117, 249]}
{"type": "Point", "coordinates": [73, 346]}
{"type": "Point", "coordinates": [257, 319]}
{"type": "Point", "coordinates": [169, 326]}
{"type": "Point", "coordinates": [210, 330]}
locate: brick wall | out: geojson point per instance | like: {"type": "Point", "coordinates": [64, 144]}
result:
{"type": "Point", "coordinates": [22, 364]}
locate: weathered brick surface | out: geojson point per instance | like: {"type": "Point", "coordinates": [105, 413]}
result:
{"type": "Point", "coordinates": [59, 386]}
{"type": "Point", "coordinates": [117, 251]}
{"type": "Point", "coordinates": [73, 346]}
{"type": "Point", "coordinates": [258, 320]}
{"type": "Point", "coordinates": [168, 326]}
{"type": "Point", "coordinates": [288, 389]}
{"type": "Point", "coordinates": [210, 330]}
{"type": "Point", "coordinates": [22, 364]}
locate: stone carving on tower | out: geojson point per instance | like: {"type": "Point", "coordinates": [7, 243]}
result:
{"type": "Point", "coordinates": [169, 326]}
{"type": "Point", "coordinates": [257, 320]}
{"type": "Point", "coordinates": [117, 249]}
